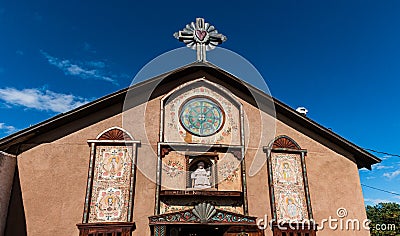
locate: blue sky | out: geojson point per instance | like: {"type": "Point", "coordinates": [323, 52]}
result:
{"type": "Point", "coordinates": [340, 59]}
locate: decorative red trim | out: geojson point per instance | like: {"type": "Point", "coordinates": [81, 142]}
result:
{"type": "Point", "coordinates": [200, 193]}
{"type": "Point", "coordinates": [165, 151]}
{"type": "Point", "coordinates": [220, 217]}
{"type": "Point", "coordinates": [285, 142]}
{"type": "Point", "coordinates": [115, 134]}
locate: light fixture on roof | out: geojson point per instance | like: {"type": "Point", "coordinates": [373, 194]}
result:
{"type": "Point", "coordinates": [302, 110]}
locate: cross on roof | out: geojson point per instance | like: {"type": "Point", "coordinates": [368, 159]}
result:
{"type": "Point", "coordinates": [201, 37]}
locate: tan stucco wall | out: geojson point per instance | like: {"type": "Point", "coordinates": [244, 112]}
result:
{"type": "Point", "coordinates": [333, 179]}
{"type": "Point", "coordinates": [7, 169]}
{"type": "Point", "coordinates": [53, 175]}
{"type": "Point", "coordinates": [53, 178]}
{"type": "Point", "coordinates": [53, 181]}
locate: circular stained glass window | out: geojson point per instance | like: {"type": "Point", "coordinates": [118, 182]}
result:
{"type": "Point", "coordinates": [201, 117]}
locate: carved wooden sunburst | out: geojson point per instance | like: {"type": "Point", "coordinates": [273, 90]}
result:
{"type": "Point", "coordinates": [285, 142]}
{"type": "Point", "coordinates": [114, 134]}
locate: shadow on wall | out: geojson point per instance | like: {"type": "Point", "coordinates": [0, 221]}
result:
{"type": "Point", "coordinates": [16, 223]}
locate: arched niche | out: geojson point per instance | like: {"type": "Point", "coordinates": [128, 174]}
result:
{"type": "Point", "coordinates": [284, 142]}
{"type": "Point", "coordinates": [115, 133]}
{"type": "Point", "coordinates": [209, 165]}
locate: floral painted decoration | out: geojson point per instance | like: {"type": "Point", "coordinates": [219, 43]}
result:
{"type": "Point", "coordinates": [173, 168]}
{"type": "Point", "coordinates": [229, 171]}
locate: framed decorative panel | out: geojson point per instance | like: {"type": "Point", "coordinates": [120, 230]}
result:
{"type": "Point", "coordinates": [229, 173]}
{"type": "Point", "coordinates": [290, 198]}
{"type": "Point", "coordinates": [289, 194]}
{"type": "Point", "coordinates": [111, 182]}
{"type": "Point", "coordinates": [173, 171]}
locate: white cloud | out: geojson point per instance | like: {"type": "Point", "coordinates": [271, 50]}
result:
{"type": "Point", "coordinates": [43, 100]}
{"type": "Point", "coordinates": [8, 129]}
{"type": "Point", "coordinates": [77, 69]}
{"type": "Point", "coordinates": [397, 199]}
{"type": "Point", "coordinates": [376, 200]}
{"type": "Point", "coordinates": [392, 175]}
{"type": "Point", "coordinates": [385, 157]}
{"type": "Point", "coordinates": [380, 166]}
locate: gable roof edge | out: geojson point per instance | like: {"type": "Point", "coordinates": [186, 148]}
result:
{"type": "Point", "coordinates": [363, 157]}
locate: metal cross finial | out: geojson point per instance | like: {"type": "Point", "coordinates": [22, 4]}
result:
{"type": "Point", "coordinates": [201, 37]}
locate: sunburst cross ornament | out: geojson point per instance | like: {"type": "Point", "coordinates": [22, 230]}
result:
{"type": "Point", "coordinates": [201, 37]}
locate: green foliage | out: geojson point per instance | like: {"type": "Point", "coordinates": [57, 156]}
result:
{"type": "Point", "coordinates": [384, 216]}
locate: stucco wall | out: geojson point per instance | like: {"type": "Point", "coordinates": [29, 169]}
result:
{"type": "Point", "coordinates": [7, 169]}
{"type": "Point", "coordinates": [334, 183]}
{"type": "Point", "coordinates": [333, 179]}
{"type": "Point", "coordinates": [53, 180]}
{"type": "Point", "coordinates": [53, 175]}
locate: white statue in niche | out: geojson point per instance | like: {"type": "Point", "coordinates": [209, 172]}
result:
{"type": "Point", "coordinates": [201, 177]}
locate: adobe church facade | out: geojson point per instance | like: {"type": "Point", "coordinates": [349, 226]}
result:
{"type": "Point", "coordinates": [190, 152]}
